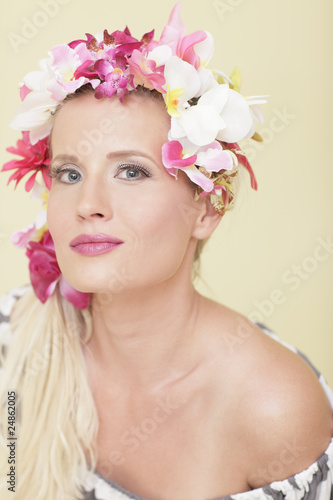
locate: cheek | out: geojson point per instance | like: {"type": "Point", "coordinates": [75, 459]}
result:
{"type": "Point", "coordinates": [164, 227]}
{"type": "Point", "coordinates": [52, 220]}
{"type": "Point", "coordinates": [57, 219]}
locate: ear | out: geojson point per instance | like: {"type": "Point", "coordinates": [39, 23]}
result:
{"type": "Point", "coordinates": [207, 220]}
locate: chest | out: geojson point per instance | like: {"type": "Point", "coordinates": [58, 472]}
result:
{"type": "Point", "coordinates": [176, 445]}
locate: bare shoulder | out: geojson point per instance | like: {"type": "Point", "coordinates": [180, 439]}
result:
{"type": "Point", "coordinates": [288, 404]}
{"type": "Point", "coordinates": [285, 417]}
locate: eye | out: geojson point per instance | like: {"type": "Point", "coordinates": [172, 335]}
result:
{"type": "Point", "coordinates": [65, 175]}
{"type": "Point", "coordinates": [132, 172]}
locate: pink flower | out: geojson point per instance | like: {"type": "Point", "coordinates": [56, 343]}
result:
{"type": "Point", "coordinates": [213, 158]}
{"type": "Point", "coordinates": [173, 158]}
{"type": "Point", "coordinates": [144, 71]}
{"type": "Point", "coordinates": [65, 62]}
{"type": "Point", "coordinates": [182, 45]}
{"type": "Point", "coordinates": [120, 40]}
{"type": "Point", "coordinates": [115, 82]}
{"type": "Point", "coordinates": [21, 238]}
{"type": "Point", "coordinates": [45, 274]}
{"type": "Point", "coordinates": [36, 158]}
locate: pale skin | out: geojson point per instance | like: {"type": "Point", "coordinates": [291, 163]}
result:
{"type": "Point", "coordinates": [194, 401]}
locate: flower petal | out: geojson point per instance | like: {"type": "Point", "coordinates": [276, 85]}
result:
{"type": "Point", "coordinates": [205, 49]}
{"type": "Point", "coordinates": [21, 238]}
{"type": "Point", "coordinates": [36, 80]}
{"type": "Point", "coordinates": [79, 299]}
{"type": "Point", "coordinates": [200, 124]}
{"type": "Point", "coordinates": [199, 178]}
{"type": "Point", "coordinates": [172, 155]}
{"type": "Point", "coordinates": [160, 55]}
{"type": "Point", "coordinates": [238, 118]}
{"type": "Point", "coordinates": [215, 160]}
{"type": "Point", "coordinates": [207, 81]}
{"type": "Point", "coordinates": [216, 97]}
{"type": "Point", "coordinates": [180, 74]}
{"type": "Point", "coordinates": [34, 112]}
{"type": "Point", "coordinates": [174, 30]}
{"type": "Point", "coordinates": [185, 49]}
{"type": "Point", "coordinates": [41, 132]}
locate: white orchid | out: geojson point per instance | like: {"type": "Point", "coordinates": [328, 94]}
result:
{"type": "Point", "coordinates": [182, 82]}
{"type": "Point", "coordinates": [220, 113]}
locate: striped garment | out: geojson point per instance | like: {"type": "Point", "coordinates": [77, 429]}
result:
{"type": "Point", "coordinates": [314, 483]}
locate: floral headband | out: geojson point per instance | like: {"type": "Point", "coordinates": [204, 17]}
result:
{"type": "Point", "coordinates": [208, 118]}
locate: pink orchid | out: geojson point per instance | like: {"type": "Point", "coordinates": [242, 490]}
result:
{"type": "Point", "coordinates": [214, 158]}
{"type": "Point", "coordinates": [33, 232]}
{"type": "Point", "coordinates": [144, 71]}
{"type": "Point", "coordinates": [122, 40]}
{"type": "Point", "coordinates": [115, 82]}
{"type": "Point", "coordinates": [21, 238]}
{"type": "Point", "coordinates": [182, 45]}
{"type": "Point", "coordinates": [65, 62]}
{"type": "Point", "coordinates": [174, 158]}
{"type": "Point", "coordinates": [45, 274]}
{"type": "Point", "coordinates": [36, 158]}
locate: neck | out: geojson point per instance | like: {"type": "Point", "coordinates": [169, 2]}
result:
{"type": "Point", "coordinates": [147, 337]}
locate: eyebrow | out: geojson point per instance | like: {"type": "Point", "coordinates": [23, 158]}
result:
{"type": "Point", "coordinates": [65, 157]}
{"type": "Point", "coordinates": [114, 154]}
{"type": "Point", "coordinates": [131, 152]}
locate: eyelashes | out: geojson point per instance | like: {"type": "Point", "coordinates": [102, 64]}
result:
{"type": "Point", "coordinates": [73, 175]}
{"type": "Point", "coordinates": [59, 172]}
{"type": "Point", "coordinates": [134, 168]}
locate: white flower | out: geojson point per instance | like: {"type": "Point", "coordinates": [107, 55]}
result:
{"type": "Point", "coordinates": [35, 115]}
{"type": "Point", "coordinates": [220, 113]}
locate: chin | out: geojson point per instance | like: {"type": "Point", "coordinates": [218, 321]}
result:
{"type": "Point", "coordinates": [97, 284]}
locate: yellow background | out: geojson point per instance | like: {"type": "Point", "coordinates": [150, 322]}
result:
{"type": "Point", "coordinates": [283, 48]}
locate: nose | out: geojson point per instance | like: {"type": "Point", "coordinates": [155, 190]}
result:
{"type": "Point", "coordinates": [94, 200]}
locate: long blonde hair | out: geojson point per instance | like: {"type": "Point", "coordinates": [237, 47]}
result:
{"type": "Point", "coordinates": [57, 418]}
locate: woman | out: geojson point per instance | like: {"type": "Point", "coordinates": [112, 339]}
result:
{"type": "Point", "coordinates": [130, 383]}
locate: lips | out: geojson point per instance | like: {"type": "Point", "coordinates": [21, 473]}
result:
{"type": "Point", "coordinates": [94, 244]}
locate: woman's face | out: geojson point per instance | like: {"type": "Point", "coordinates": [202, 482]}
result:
{"type": "Point", "coordinates": [109, 182]}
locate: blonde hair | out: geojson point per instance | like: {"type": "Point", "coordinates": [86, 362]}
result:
{"type": "Point", "coordinates": [57, 419]}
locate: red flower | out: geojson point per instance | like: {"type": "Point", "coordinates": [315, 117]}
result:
{"type": "Point", "coordinates": [243, 160]}
{"type": "Point", "coordinates": [45, 273]}
{"type": "Point", "coordinates": [36, 158]}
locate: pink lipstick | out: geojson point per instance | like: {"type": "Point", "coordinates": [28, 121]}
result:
{"type": "Point", "coordinates": [94, 244]}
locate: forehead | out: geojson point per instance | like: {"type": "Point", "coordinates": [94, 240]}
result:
{"type": "Point", "coordinates": [138, 121]}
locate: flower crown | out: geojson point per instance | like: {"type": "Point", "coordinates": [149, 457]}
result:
{"type": "Point", "coordinates": [208, 118]}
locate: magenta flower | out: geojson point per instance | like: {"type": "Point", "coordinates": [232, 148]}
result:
{"type": "Point", "coordinates": [115, 82]}
{"type": "Point", "coordinates": [121, 40]}
{"type": "Point", "coordinates": [36, 158]}
{"type": "Point", "coordinates": [173, 157]}
{"type": "Point", "coordinates": [45, 274]}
